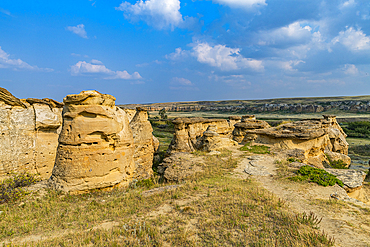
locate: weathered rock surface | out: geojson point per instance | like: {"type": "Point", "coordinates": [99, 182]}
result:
{"type": "Point", "coordinates": [96, 145]}
{"type": "Point", "coordinates": [333, 156]}
{"type": "Point", "coordinates": [255, 165]}
{"type": "Point", "coordinates": [179, 167]}
{"type": "Point", "coordinates": [28, 135]}
{"type": "Point", "coordinates": [144, 144]}
{"type": "Point", "coordinates": [130, 113]}
{"type": "Point", "coordinates": [352, 179]}
{"type": "Point", "coordinates": [211, 140]}
{"type": "Point", "coordinates": [309, 138]}
{"type": "Point", "coordinates": [247, 123]}
{"type": "Point", "coordinates": [189, 130]}
{"type": "Point", "coordinates": [337, 136]}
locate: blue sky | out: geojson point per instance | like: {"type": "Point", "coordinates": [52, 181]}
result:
{"type": "Point", "coordinates": [177, 50]}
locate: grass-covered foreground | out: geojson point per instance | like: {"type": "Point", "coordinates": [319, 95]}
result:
{"type": "Point", "coordinates": [212, 210]}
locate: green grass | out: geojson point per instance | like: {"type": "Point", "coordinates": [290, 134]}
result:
{"type": "Point", "coordinates": [256, 149]}
{"type": "Point", "coordinates": [315, 175]}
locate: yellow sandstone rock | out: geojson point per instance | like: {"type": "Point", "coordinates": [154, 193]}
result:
{"type": "Point", "coordinates": [95, 145]}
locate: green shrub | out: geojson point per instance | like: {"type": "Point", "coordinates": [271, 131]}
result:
{"type": "Point", "coordinates": [11, 189]}
{"type": "Point", "coordinates": [292, 159]}
{"type": "Point", "coordinates": [358, 129]}
{"type": "Point", "coordinates": [337, 164]}
{"type": "Point", "coordinates": [316, 175]}
{"type": "Point", "coordinates": [257, 149]}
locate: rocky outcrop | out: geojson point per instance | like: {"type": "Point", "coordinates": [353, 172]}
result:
{"type": "Point", "coordinates": [248, 122]}
{"type": "Point", "coordinates": [144, 144]}
{"type": "Point", "coordinates": [96, 145]}
{"type": "Point", "coordinates": [352, 179]}
{"type": "Point", "coordinates": [307, 140]}
{"type": "Point", "coordinates": [28, 135]}
{"type": "Point", "coordinates": [189, 130]}
{"type": "Point", "coordinates": [337, 136]}
{"type": "Point", "coordinates": [310, 136]}
{"type": "Point", "coordinates": [211, 140]}
{"type": "Point", "coordinates": [130, 113]}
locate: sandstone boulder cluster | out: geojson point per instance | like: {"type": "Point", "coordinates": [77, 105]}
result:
{"type": "Point", "coordinates": [88, 144]}
{"type": "Point", "coordinates": [313, 141]}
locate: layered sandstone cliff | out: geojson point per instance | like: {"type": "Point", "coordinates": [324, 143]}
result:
{"type": "Point", "coordinates": [96, 145]}
{"type": "Point", "coordinates": [29, 131]}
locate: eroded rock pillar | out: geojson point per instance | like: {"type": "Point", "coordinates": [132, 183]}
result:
{"type": "Point", "coordinates": [95, 145]}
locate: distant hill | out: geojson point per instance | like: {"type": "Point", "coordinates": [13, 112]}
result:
{"type": "Point", "coordinates": [292, 105]}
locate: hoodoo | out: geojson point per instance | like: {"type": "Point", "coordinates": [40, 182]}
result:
{"type": "Point", "coordinates": [96, 145]}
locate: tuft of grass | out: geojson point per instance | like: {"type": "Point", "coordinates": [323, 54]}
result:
{"type": "Point", "coordinates": [316, 175]}
{"type": "Point", "coordinates": [11, 189]}
{"type": "Point", "coordinates": [256, 149]}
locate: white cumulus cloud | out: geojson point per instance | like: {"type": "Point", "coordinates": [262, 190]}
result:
{"type": "Point", "coordinates": [17, 64]}
{"type": "Point", "coordinates": [97, 67]}
{"type": "Point", "coordinates": [161, 14]}
{"type": "Point", "coordinates": [242, 3]}
{"type": "Point", "coordinates": [354, 40]}
{"type": "Point", "coordinates": [350, 69]}
{"type": "Point", "coordinates": [79, 30]}
{"type": "Point", "coordinates": [224, 57]}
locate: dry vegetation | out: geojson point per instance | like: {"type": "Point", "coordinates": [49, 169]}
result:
{"type": "Point", "coordinates": [214, 209]}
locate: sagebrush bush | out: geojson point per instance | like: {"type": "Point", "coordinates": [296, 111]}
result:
{"type": "Point", "coordinates": [316, 175]}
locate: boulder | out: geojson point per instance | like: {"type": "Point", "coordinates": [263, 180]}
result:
{"type": "Point", "coordinates": [96, 145]}
{"type": "Point", "coordinates": [189, 130]}
{"type": "Point", "coordinates": [352, 179]}
{"type": "Point", "coordinates": [180, 167]}
{"type": "Point", "coordinates": [144, 146]}
{"type": "Point", "coordinates": [333, 156]}
{"type": "Point", "coordinates": [211, 140]}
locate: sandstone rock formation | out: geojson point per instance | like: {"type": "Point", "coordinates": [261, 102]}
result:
{"type": "Point", "coordinates": [211, 140]}
{"type": "Point", "coordinates": [28, 135]}
{"type": "Point", "coordinates": [179, 167]}
{"type": "Point", "coordinates": [96, 145]}
{"type": "Point", "coordinates": [337, 136]}
{"type": "Point", "coordinates": [306, 139]}
{"type": "Point", "coordinates": [130, 113]}
{"type": "Point", "coordinates": [189, 130]}
{"type": "Point", "coordinates": [248, 122]}
{"type": "Point", "coordinates": [144, 144]}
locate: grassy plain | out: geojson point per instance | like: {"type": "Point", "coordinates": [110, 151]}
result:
{"type": "Point", "coordinates": [214, 209]}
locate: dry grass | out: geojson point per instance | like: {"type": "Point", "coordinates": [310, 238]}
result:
{"type": "Point", "coordinates": [211, 210]}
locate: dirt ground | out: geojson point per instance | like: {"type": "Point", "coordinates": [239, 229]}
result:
{"type": "Point", "coordinates": [347, 221]}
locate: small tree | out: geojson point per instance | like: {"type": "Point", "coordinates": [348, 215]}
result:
{"type": "Point", "coordinates": [162, 113]}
